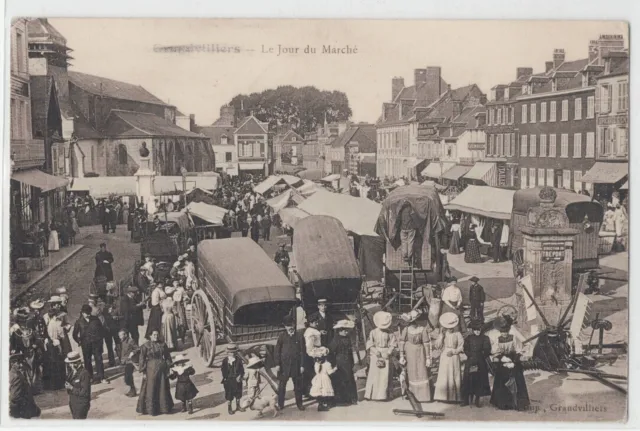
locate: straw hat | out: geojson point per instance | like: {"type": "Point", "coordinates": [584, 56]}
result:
{"type": "Point", "coordinates": [73, 357]}
{"type": "Point", "coordinates": [232, 348]}
{"type": "Point", "coordinates": [61, 290]}
{"type": "Point", "coordinates": [54, 299]}
{"type": "Point", "coordinates": [382, 320]}
{"type": "Point", "coordinates": [411, 316]}
{"type": "Point", "coordinates": [322, 301]}
{"type": "Point", "coordinates": [449, 320]}
{"type": "Point", "coordinates": [176, 264]}
{"type": "Point", "coordinates": [180, 359]}
{"type": "Point", "coordinates": [254, 362]}
{"type": "Point", "coordinates": [344, 324]}
{"type": "Point", "coordinates": [132, 289]}
{"type": "Point", "coordinates": [169, 290]}
{"type": "Point", "coordinates": [37, 304]}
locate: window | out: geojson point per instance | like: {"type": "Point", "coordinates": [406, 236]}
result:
{"type": "Point", "coordinates": [566, 179]}
{"type": "Point", "coordinates": [228, 156]}
{"type": "Point", "coordinates": [550, 176]}
{"type": "Point", "coordinates": [577, 183]}
{"type": "Point", "coordinates": [513, 144]}
{"type": "Point", "coordinates": [532, 146]}
{"type": "Point", "coordinates": [513, 114]}
{"type": "Point", "coordinates": [93, 158]}
{"type": "Point", "coordinates": [590, 150]}
{"type": "Point", "coordinates": [507, 144]}
{"type": "Point", "coordinates": [492, 114]}
{"type": "Point", "coordinates": [603, 141]}
{"type": "Point", "coordinates": [532, 112]}
{"type": "Point", "coordinates": [524, 113]}
{"type": "Point", "coordinates": [577, 145]}
{"type": "Point", "coordinates": [523, 146]}
{"type": "Point", "coordinates": [552, 111]}
{"type": "Point", "coordinates": [505, 112]}
{"type": "Point", "coordinates": [543, 145]}
{"type": "Point", "coordinates": [500, 149]}
{"type": "Point", "coordinates": [552, 145]}
{"type": "Point", "coordinates": [540, 177]}
{"type": "Point", "coordinates": [122, 154]}
{"type": "Point", "coordinates": [564, 145]}
{"type": "Point", "coordinates": [623, 142]}
{"type": "Point", "coordinates": [591, 106]}
{"type": "Point", "coordinates": [54, 160]}
{"type": "Point", "coordinates": [623, 96]}
{"type": "Point", "coordinates": [532, 177]}
{"type": "Point", "coordinates": [523, 178]}
{"type": "Point", "coordinates": [543, 112]}
{"type": "Point", "coordinates": [565, 110]}
{"type": "Point", "coordinates": [224, 140]}
{"type": "Point", "coordinates": [499, 116]}
{"type": "Point", "coordinates": [605, 99]}
{"type": "Point", "coordinates": [578, 108]}
{"type": "Point", "coordinates": [490, 147]}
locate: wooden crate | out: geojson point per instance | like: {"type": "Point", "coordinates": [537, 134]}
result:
{"type": "Point", "coordinates": [23, 264]}
{"type": "Point", "coordinates": [37, 263]}
{"type": "Point", "coordinates": [22, 277]}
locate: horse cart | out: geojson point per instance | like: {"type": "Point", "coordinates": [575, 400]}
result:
{"type": "Point", "coordinates": [243, 298]}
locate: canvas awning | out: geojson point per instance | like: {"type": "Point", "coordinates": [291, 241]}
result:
{"type": "Point", "coordinates": [103, 187]}
{"type": "Point", "coordinates": [251, 166]}
{"type": "Point", "coordinates": [281, 201]}
{"type": "Point", "coordinates": [41, 180]}
{"type": "Point", "coordinates": [174, 184]}
{"type": "Point", "coordinates": [482, 171]}
{"type": "Point", "coordinates": [456, 172]}
{"type": "Point", "coordinates": [436, 169]}
{"type": "Point", "coordinates": [485, 201]}
{"type": "Point", "coordinates": [310, 174]}
{"type": "Point", "coordinates": [357, 215]}
{"type": "Point", "coordinates": [290, 216]}
{"type": "Point", "coordinates": [209, 213]}
{"type": "Point", "coordinates": [606, 173]}
{"type": "Point", "coordinates": [625, 186]}
{"type": "Point", "coordinates": [307, 188]}
{"type": "Point", "coordinates": [267, 184]}
{"type": "Point", "coordinates": [331, 178]}
{"type": "Point", "coordinates": [415, 163]}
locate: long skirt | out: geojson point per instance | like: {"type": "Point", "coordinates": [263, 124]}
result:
{"type": "Point", "coordinates": [74, 225]}
{"type": "Point", "coordinates": [454, 246]}
{"type": "Point", "coordinates": [54, 243]}
{"type": "Point", "coordinates": [170, 330]}
{"type": "Point", "coordinates": [449, 382]}
{"type": "Point", "coordinates": [54, 371]}
{"type": "Point", "coordinates": [344, 383]}
{"type": "Point", "coordinates": [472, 252]}
{"type": "Point", "coordinates": [155, 321]}
{"type": "Point", "coordinates": [181, 319]}
{"type": "Point", "coordinates": [509, 388]}
{"type": "Point", "coordinates": [417, 372]}
{"type": "Point", "coordinates": [155, 392]}
{"type": "Point", "coordinates": [378, 379]}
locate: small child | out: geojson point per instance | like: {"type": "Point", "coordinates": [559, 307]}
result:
{"type": "Point", "coordinates": [321, 387]}
{"type": "Point", "coordinates": [252, 377]}
{"type": "Point", "coordinates": [232, 375]}
{"type": "Point", "coordinates": [186, 391]}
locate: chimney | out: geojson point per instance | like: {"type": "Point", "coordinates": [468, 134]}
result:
{"type": "Point", "coordinates": [433, 87]}
{"type": "Point", "coordinates": [524, 71]}
{"type": "Point", "coordinates": [419, 77]}
{"type": "Point", "coordinates": [397, 84]}
{"type": "Point", "coordinates": [548, 65]}
{"type": "Point", "coordinates": [558, 57]}
{"type": "Point", "coordinates": [192, 122]}
{"type": "Point", "coordinates": [228, 115]}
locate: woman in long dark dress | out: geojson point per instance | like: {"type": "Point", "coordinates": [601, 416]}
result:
{"type": "Point", "coordinates": [341, 351]}
{"type": "Point", "coordinates": [454, 244]}
{"type": "Point", "coordinates": [155, 392]}
{"type": "Point", "coordinates": [472, 247]}
{"type": "Point", "coordinates": [509, 385]}
{"type": "Point", "coordinates": [155, 314]}
{"type": "Point", "coordinates": [475, 377]}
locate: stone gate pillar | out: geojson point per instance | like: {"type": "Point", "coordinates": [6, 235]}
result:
{"type": "Point", "coordinates": [144, 183]}
{"type": "Point", "coordinates": [548, 256]}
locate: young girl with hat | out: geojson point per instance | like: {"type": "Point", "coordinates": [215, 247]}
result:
{"type": "Point", "coordinates": [186, 391]}
{"type": "Point", "coordinates": [380, 344]}
{"type": "Point", "coordinates": [321, 387]}
{"type": "Point", "coordinates": [450, 341]}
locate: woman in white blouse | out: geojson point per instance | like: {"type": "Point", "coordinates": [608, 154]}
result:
{"type": "Point", "coordinates": [452, 302]}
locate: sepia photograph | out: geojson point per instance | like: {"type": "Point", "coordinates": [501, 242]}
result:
{"type": "Point", "coordinates": [303, 220]}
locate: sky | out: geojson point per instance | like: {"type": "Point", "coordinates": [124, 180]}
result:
{"type": "Point", "coordinates": [482, 52]}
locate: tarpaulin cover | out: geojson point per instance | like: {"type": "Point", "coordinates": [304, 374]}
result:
{"type": "Point", "coordinates": [281, 201]}
{"type": "Point", "coordinates": [267, 184]}
{"type": "Point", "coordinates": [307, 188]}
{"type": "Point", "coordinates": [291, 180]}
{"type": "Point", "coordinates": [103, 187]}
{"type": "Point", "coordinates": [485, 201]}
{"type": "Point", "coordinates": [243, 273]}
{"type": "Point", "coordinates": [370, 255]}
{"type": "Point", "coordinates": [426, 205]}
{"type": "Point", "coordinates": [310, 174]}
{"type": "Point", "coordinates": [39, 179]}
{"type": "Point", "coordinates": [179, 218]}
{"type": "Point", "coordinates": [209, 213]}
{"type": "Point", "coordinates": [606, 173]}
{"type": "Point", "coordinates": [576, 205]}
{"type": "Point", "coordinates": [332, 177]}
{"type": "Point", "coordinates": [291, 216]}
{"type": "Point", "coordinates": [356, 215]}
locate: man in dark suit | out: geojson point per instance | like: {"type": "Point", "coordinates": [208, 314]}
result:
{"type": "Point", "coordinates": [104, 259]}
{"type": "Point", "coordinates": [78, 386]}
{"type": "Point", "coordinates": [131, 313]}
{"type": "Point", "coordinates": [476, 299]}
{"type": "Point", "coordinates": [325, 321]}
{"type": "Point", "coordinates": [288, 357]}
{"type": "Point", "coordinates": [88, 332]}
{"type": "Point", "coordinates": [21, 402]}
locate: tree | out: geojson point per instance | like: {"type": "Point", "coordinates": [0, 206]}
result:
{"type": "Point", "coordinates": [301, 108]}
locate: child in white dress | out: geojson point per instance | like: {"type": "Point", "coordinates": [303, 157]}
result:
{"type": "Point", "coordinates": [321, 387]}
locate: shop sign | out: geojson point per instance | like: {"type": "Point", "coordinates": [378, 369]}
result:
{"type": "Point", "coordinates": [553, 252]}
{"type": "Point", "coordinates": [427, 131]}
{"type": "Point", "coordinates": [476, 146]}
{"type": "Point", "coordinates": [613, 119]}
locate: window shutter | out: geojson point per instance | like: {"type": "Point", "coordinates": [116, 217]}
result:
{"type": "Point", "coordinates": [597, 104]}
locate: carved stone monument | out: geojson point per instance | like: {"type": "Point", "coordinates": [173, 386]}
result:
{"type": "Point", "coordinates": [144, 183]}
{"type": "Point", "coordinates": [548, 255]}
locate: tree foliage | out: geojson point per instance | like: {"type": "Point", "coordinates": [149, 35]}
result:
{"type": "Point", "coordinates": [301, 108]}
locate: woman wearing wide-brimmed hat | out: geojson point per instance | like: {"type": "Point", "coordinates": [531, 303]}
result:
{"type": "Point", "coordinates": [415, 353]}
{"type": "Point", "coordinates": [475, 378]}
{"type": "Point", "coordinates": [186, 391]}
{"type": "Point", "coordinates": [509, 385]}
{"type": "Point", "coordinates": [451, 344]}
{"type": "Point", "coordinates": [380, 344]}
{"type": "Point", "coordinates": [341, 355]}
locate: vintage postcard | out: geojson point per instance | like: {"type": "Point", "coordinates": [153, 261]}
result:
{"type": "Point", "coordinates": [318, 220]}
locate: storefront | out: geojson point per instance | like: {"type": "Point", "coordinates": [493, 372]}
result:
{"type": "Point", "coordinates": [35, 197]}
{"type": "Point", "coordinates": [608, 178]}
{"type": "Point", "coordinates": [435, 170]}
{"type": "Point", "coordinates": [482, 173]}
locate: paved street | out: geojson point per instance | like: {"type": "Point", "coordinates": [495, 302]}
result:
{"type": "Point", "coordinates": [553, 395]}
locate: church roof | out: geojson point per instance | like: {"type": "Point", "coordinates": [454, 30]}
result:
{"type": "Point", "coordinates": [114, 89]}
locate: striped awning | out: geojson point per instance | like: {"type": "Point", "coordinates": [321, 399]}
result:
{"type": "Point", "coordinates": [606, 173]}
{"type": "Point", "coordinates": [436, 169]}
{"type": "Point", "coordinates": [456, 172]}
{"type": "Point", "coordinates": [483, 171]}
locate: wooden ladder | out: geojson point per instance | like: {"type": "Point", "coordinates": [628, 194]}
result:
{"type": "Point", "coordinates": [407, 281]}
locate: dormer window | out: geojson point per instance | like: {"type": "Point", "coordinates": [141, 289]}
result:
{"type": "Point", "coordinates": [585, 79]}
{"type": "Point", "coordinates": [506, 93]}
{"type": "Point", "coordinates": [224, 140]}
{"type": "Point", "coordinates": [554, 85]}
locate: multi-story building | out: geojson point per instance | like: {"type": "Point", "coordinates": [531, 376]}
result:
{"type": "Point", "coordinates": [105, 122]}
{"type": "Point", "coordinates": [287, 151]}
{"type": "Point", "coordinates": [555, 118]}
{"type": "Point", "coordinates": [326, 135]}
{"type": "Point", "coordinates": [610, 172]}
{"type": "Point", "coordinates": [221, 134]}
{"type": "Point", "coordinates": [311, 152]}
{"type": "Point", "coordinates": [397, 128]}
{"type": "Point", "coordinates": [363, 141]}
{"type": "Point", "coordinates": [34, 193]}
{"type": "Point", "coordinates": [252, 141]}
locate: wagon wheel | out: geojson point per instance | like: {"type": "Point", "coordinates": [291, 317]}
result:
{"type": "Point", "coordinates": [508, 310]}
{"type": "Point", "coordinates": [517, 261]}
{"type": "Point", "coordinates": [203, 326]}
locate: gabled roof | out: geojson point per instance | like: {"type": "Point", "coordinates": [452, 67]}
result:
{"type": "Point", "coordinates": [573, 66]}
{"type": "Point", "coordinates": [251, 126]}
{"type": "Point", "coordinates": [114, 89]}
{"type": "Point", "coordinates": [291, 134]}
{"type": "Point", "coordinates": [83, 130]}
{"type": "Point", "coordinates": [462, 92]}
{"type": "Point", "coordinates": [129, 124]}
{"type": "Point", "coordinates": [417, 94]}
{"type": "Point", "coordinates": [365, 136]}
{"type": "Point", "coordinates": [342, 140]}
{"type": "Point", "coordinates": [215, 133]}
{"type": "Point", "coordinates": [39, 29]}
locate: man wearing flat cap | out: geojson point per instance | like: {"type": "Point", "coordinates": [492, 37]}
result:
{"type": "Point", "coordinates": [476, 298]}
{"type": "Point", "coordinates": [288, 357]}
{"type": "Point", "coordinates": [88, 332]}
